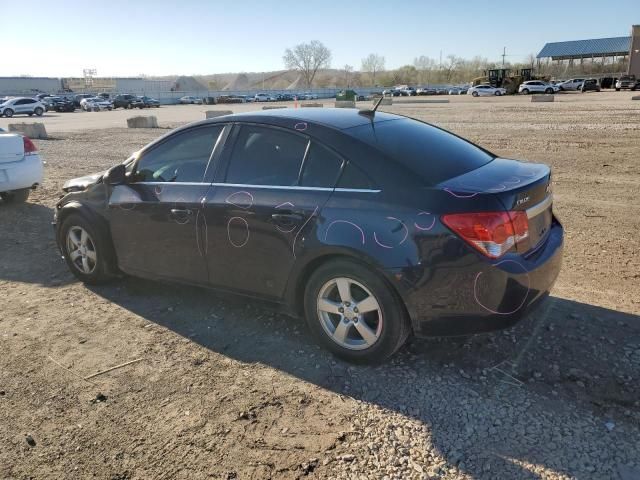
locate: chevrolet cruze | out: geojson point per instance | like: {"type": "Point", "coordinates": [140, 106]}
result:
{"type": "Point", "coordinates": [370, 225]}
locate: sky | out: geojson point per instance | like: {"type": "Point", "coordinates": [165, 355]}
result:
{"type": "Point", "coordinates": [128, 38]}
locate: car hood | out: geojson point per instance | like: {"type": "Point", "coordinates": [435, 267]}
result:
{"type": "Point", "coordinates": [81, 183]}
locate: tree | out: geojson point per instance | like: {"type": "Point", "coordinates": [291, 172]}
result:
{"type": "Point", "coordinates": [424, 65]}
{"type": "Point", "coordinates": [373, 64]}
{"type": "Point", "coordinates": [307, 58]}
{"type": "Point", "coordinates": [348, 70]}
{"type": "Point", "coordinates": [450, 66]}
{"type": "Point", "coordinates": [405, 75]}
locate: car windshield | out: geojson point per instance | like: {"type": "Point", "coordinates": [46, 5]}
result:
{"type": "Point", "coordinates": [432, 153]}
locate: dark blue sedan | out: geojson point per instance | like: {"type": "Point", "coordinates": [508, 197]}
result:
{"type": "Point", "coordinates": [370, 225]}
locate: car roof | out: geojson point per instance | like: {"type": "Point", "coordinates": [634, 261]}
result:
{"type": "Point", "coordinates": [337, 118]}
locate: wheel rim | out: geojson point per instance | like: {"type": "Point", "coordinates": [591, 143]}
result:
{"type": "Point", "coordinates": [9, 113]}
{"type": "Point", "coordinates": [82, 250]}
{"type": "Point", "coordinates": [349, 313]}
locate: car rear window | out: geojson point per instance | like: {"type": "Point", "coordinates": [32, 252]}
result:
{"type": "Point", "coordinates": [433, 154]}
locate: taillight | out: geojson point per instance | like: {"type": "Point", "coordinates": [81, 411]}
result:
{"type": "Point", "coordinates": [29, 147]}
{"type": "Point", "coordinates": [492, 233]}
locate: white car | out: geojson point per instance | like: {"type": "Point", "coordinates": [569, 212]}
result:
{"type": "Point", "coordinates": [486, 90]}
{"type": "Point", "coordinates": [22, 106]}
{"type": "Point", "coordinates": [536, 86]}
{"type": "Point", "coordinates": [263, 97]}
{"type": "Point", "coordinates": [20, 167]}
{"type": "Point", "coordinates": [572, 84]}
{"type": "Point", "coordinates": [309, 96]}
{"type": "Point", "coordinates": [95, 104]}
{"type": "Point", "coordinates": [190, 100]}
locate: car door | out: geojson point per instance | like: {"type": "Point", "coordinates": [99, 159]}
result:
{"type": "Point", "coordinates": [267, 195]}
{"type": "Point", "coordinates": [21, 106]}
{"type": "Point", "coordinates": [155, 218]}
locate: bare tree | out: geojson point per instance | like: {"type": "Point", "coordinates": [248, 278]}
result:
{"type": "Point", "coordinates": [424, 65]}
{"type": "Point", "coordinates": [348, 70]}
{"type": "Point", "coordinates": [373, 64]}
{"type": "Point", "coordinates": [450, 66]}
{"type": "Point", "coordinates": [307, 58]}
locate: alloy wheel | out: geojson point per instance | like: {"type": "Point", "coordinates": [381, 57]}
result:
{"type": "Point", "coordinates": [82, 250]}
{"type": "Point", "coordinates": [349, 313]}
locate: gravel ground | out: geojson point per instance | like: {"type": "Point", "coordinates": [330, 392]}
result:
{"type": "Point", "coordinates": [227, 388]}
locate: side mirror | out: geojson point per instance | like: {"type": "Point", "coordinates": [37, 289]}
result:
{"type": "Point", "coordinates": [116, 175]}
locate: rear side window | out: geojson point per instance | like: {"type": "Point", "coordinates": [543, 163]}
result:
{"type": "Point", "coordinates": [266, 156]}
{"type": "Point", "coordinates": [431, 153]}
{"type": "Point", "coordinates": [321, 168]}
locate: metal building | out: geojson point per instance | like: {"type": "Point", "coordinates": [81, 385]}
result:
{"type": "Point", "coordinates": [597, 49]}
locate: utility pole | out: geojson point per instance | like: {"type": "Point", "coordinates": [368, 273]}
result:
{"type": "Point", "coordinates": [504, 54]}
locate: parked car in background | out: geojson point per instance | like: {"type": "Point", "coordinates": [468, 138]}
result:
{"type": "Point", "coordinates": [408, 92]}
{"type": "Point", "coordinates": [103, 95]}
{"type": "Point", "coordinates": [265, 97]}
{"type": "Point", "coordinates": [426, 91]}
{"type": "Point", "coordinates": [485, 91]}
{"type": "Point", "coordinates": [627, 81]}
{"type": "Point", "coordinates": [309, 96]}
{"type": "Point", "coordinates": [590, 85]}
{"type": "Point", "coordinates": [188, 99]}
{"type": "Point", "coordinates": [149, 102]}
{"type": "Point", "coordinates": [127, 100]}
{"type": "Point", "coordinates": [22, 106]}
{"type": "Point", "coordinates": [96, 104]}
{"type": "Point", "coordinates": [79, 97]}
{"type": "Point", "coordinates": [364, 279]}
{"type": "Point", "coordinates": [572, 84]}
{"type": "Point", "coordinates": [391, 92]}
{"type": "Point", "coordinates": [20, 167]}
{"type": "Point", "coordinates": [537, 86]}
{"type": "Point", "coordinates": [59, 104]}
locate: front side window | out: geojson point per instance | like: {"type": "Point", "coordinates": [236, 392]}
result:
{"type": "Point", "coordinates": [266, 156]}
{"type": "Point", "coordinates": [181, 158]}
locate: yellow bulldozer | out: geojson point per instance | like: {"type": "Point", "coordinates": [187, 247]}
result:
{"type": "Point", "coordinates": [502, 78]}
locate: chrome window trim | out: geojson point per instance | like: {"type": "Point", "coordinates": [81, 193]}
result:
{"type": "Point", "coordinates": [540, 207]}
{"type": "Point", "coordinates": [295, 187]}
{"type": "Point", "coordinates": [172, 183]}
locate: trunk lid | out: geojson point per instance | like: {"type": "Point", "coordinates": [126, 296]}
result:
{"type": "Point", "coordinates": [518, 186]}
{"type": "Point", "coordinates": [11, 147]}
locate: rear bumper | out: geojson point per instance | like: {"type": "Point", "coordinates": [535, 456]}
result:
{"type": "Point", "coordinates": [471, 295]}
{"type": "Point", "coordinates": [23, 174]}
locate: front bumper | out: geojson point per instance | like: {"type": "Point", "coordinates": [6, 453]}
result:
{"type": "Point", "coordinates": [469, 295]}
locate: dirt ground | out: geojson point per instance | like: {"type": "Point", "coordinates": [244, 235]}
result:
{"type": "Point", "coordinates": [226, 388]}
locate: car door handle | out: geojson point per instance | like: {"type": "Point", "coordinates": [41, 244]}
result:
{"type": "Point", "coordinates": [179, 211]}
{"type": "Point", "coordinates": [287, 218]}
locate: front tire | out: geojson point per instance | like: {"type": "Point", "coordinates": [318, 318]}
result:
{"type": "Point", "coordinates": [86, 250]}
{"type": "Point", "coordinates": [525, 91]}
{"type": "Point", "coordinates": [8, 113]}
{"type": "Point", "coordinates": [475, 94]}
{"type": "Point", "coordinates": [16, 196]}
{"type": "Point", "coordinates": [549, 91]}
{"type": "Point", "coordinates": [497, 93]}
{"type": "Point", "coordinates": [354, 313]}
{"type": "Point", "coordinates": [38, 111]}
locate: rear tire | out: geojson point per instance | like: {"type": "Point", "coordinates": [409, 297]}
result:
{"type": "Point", "coordinates": [89, 255]}
{"type": "Point", "coordinates": [16, 196]}
{"type": "Point", "coordinates": [384, 323]}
